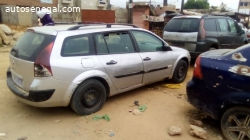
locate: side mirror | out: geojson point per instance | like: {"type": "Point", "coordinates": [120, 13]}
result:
{"type": "Point", "coordinates": [166, 48]}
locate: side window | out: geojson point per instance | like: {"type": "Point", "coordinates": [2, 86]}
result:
{"type": "Point", "coordinates": [101, 47]}
{"type": "Point", "coordinates": [223, 25]}
{"type": "Point", "coordinates": [210, 25]}
{"type": "Point", "coordinates": [147, 42]}
{"type": "Point", "coordinates": [76, 46]}
{"type": "Point", "coordinates": [118, 42]}
{"type": "Point", "coordinates": [232, 26]}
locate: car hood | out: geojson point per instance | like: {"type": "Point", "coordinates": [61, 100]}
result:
{"type": "Point", "coordinates": [215, 53]}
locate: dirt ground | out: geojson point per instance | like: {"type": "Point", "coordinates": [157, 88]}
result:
{"type": "Point", "coordinates": [165, 108]}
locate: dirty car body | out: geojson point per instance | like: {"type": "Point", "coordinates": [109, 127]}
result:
{"type": "Point", "coordinates": [81, 65]}
{"type": "Point", "coordinates": [221, 80]}
{"type": "Point", "coordinates": [221, 88]}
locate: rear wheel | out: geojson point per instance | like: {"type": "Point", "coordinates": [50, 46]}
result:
{"type": "Point", "coordinates": [235, 123]}
{"type": "Point", "coordinates": [89, 97]}
{"type": "Point", "coordinates": [180, 72]}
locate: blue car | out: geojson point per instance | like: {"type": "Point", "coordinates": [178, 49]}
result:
{"type": "Point", "coordinates": [220, 87]}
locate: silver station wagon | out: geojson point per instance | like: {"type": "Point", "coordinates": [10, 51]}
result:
{"type": "Point", "coordinates": [81, 65]}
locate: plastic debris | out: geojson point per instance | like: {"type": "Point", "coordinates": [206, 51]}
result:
{"type": "Point", "coordinates": [173, 86]}
{"type": "Point", "coordinates": [57, 121]}
{"type": "Point", "coordinates": [142, 108]}
{"type": "Point", "coordinates": [136, 103]}
{"type": "Point", "coordinates": [3, 134]}
{"type": "Point", "coordinates": [112, 134]}
{"type": "Point", "coordinates": [105, 117]}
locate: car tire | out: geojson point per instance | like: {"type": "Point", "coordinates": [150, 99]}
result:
{"type": "Point", "coordinates": [180, 72]}
{"type": "Point", "coordinates": [236, 119]}
{"type": "Point", "coordinates": [89, 97]}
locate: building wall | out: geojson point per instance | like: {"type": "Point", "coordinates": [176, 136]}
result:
{"type": "Point", "coordinates": [244, 6]}
{"type": "Point", "coordinates": [92, 5]}
{"type": "Point", "coordinates": [41, 3]}
{"type": "Point", "coordinates": [121, 15]}
{"type": "Point", "coordinates": [138, 11]}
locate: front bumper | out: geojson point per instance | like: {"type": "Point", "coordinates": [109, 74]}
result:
{"type": "Point", "coordinates": [201, 97]}
{"type": "Point", "coordinates": [33, 96]}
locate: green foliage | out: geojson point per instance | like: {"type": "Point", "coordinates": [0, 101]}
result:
{"type": "Point", "coordinates": [196, 4]}
{"type": "Point", "coordinates": [105, 117]}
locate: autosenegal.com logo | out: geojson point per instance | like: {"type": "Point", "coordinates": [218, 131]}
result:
{"type": "Point", "coordinates": [36, 9]}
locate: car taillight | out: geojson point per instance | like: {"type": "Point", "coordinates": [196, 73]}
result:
{"type": "Point", "coordinates": [248, 36]}
{"type": "Point", "coordinates": [197, 69]}
{"type": "Point", "coordinates": [42, 66]}
{"type": "Point", "coordinates": [202, 31]}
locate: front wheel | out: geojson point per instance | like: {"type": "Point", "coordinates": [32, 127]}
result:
{"type": "Point", "coordinates": [180, 72]}
{"type": "Point", "coordinates": [235, 123]}
{"type": "Point", "coordinates": [89, 97]}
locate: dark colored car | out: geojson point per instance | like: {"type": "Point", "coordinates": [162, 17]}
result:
{"type": "Point", "coordinates": [220, 87]}
{"type": "Point", "coordinates": [199, 34]}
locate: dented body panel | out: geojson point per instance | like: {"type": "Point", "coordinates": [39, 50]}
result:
{"type": "Point", "coordinates": [225, 82]}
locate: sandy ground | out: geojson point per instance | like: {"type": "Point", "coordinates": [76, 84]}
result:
{"type": "Point", "coordinates": [166, 107]}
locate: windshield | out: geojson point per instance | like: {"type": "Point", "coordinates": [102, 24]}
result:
{"type": "Point", "coordinates": [30, 45]}
{"type": "Point", "coordinates": [183, 25]}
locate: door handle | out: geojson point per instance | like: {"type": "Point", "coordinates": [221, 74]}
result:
{"type": "Point", "coordinates": [112, 62]}
{"type": "Point", "coordinates": [147, 59]}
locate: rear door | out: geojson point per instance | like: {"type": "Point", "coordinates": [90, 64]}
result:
{"type": "Point", "coordinates": [237, 38]}
{"type": "Point", "coordinates": [117, 54]}
{"type": "Point", "coordinates": [157, 63]}
{"type": "Point", "coordinates": [24, 54]}
{"type": "Point", "coordinates": [182, 32]}
{"type": "Point", "coordinates": [224, 35]}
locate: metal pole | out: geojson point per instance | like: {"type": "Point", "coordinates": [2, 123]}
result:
{"type": "Point", "coordinates": [182, 5]}
{"type": "Point", "coordinates": [165, 2]}
{"type": "Point", "coordinates": [130, 6]}
{"type": "Point", "coordinates": [239, 6]}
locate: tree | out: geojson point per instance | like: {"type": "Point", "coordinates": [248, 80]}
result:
{"type": "Point", "coordinates": [196, 4]}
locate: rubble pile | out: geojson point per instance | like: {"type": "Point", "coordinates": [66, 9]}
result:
{"type": "Point", "coordinates": [8, 37]}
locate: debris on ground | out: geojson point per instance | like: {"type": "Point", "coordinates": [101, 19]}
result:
{"type": "Point", "coordinates": [136, 103]}
{"type": "Point", "coordinates": [198, 132]}
{"type": "Point", "coordinates": [142, 108]}
{"type": "Point", "coordinates": [173, 86]}
{"type": "Point", "coordinates": [196, 123]}
{"type": "Point", "coordinates": [174, 130]}
{"type": "Point", "coordinates": [3, 134]}
{"type": "Point", "coordinates": [22, 138]}
{"type": "Point", "coordinates": [137, 112]}
{"type": "Point", "coordinates": [6, 29]}
{"type": "Point", "coordinates": [130, 111]}
{"type": "Point", "coordinates": [105, 117]}
{"type": "Point", "coordinates": [57, 121]}
{"type": "Point", "coordinates": [112, 134]}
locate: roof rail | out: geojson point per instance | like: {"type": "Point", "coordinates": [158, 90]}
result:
{"type": "Point", "coordinates": [108, 25]}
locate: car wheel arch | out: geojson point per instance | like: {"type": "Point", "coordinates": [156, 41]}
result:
{"type": "Point", "coordinates": [95, 74]}
{"type": "Point", "coordinates": [176, 63]}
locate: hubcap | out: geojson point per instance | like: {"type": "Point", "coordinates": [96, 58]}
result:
{"type": "Point", "coordinates": [181, 72]}
{"type": "Point", "coordinates": [238, 127]}
{"type": "Point", "coordinates": [90, 98]}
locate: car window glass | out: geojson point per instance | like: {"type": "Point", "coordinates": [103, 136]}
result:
{"type": "Point", "coordinates": [210, 25]}
{"type": "Point", "coordinates": [101, 47]}
{"type": "Point", "coordinates": [119, 42]}
{"type": "Point", "coordinates": [147, 42]}
{"type": "Point", "coordinates": [223, 25]}
{"type": "Point", "coordinates": [232, 26]}
{"type": "Point", "coordinates": [183, 25]}
{"type": "Point", "coordinates": [75, 46]}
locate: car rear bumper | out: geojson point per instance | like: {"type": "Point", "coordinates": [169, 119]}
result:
{"type": "Point", "coordinates": [33, 96]}
{"type": "Point", "coordinates": [199, 96]}
{"type": "Point", "coordinates": [44, 92]}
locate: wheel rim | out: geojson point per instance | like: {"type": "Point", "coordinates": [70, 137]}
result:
{"type": "Point", "coordinates": [91, 97]}
{"type": "Point", "coordinates": [238, 126]}
{"type": "Point", "coordinates": [182, 72]}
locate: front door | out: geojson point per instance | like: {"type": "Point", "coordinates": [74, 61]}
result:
{"type": "Point", "coordinates": [157, 63]}
{"type": "Point", "coordinates": [117, 54]}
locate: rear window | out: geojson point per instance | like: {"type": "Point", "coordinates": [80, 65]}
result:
{"type": "Point", "coordinates": [29, 46]}
{"type": "Point", "coordinates": [210, 25]}
{"type": "Point", "coordinates": [183, 25]}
